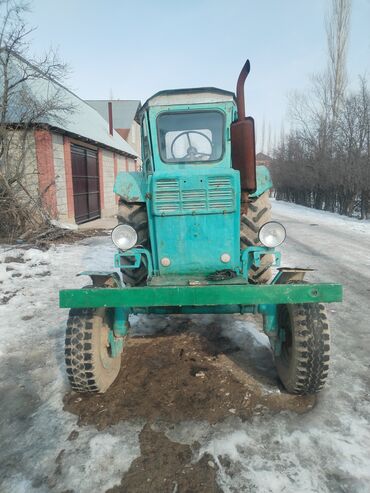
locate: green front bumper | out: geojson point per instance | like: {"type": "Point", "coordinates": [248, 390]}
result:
{"type": "Point", "coordinates": [166, 296]}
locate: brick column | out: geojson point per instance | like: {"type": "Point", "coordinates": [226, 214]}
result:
{"type": "Point", "coordinates": [101, 179]}
{"type": "Point", "coordinates": [46, 172]}
{"type": "Point", "coordinates": [115, 171]}
{"type": "Point", "coordinates": [68, 173]}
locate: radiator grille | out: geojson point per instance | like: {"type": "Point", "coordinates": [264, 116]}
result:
{"type": "Point", "coordinates": [220, 193]}
{"type": "Point", "coordinates": [167, 196]}
{"type": "Point", "coordinates": [174, 196]}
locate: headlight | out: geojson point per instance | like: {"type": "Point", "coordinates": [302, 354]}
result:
{"type": "Point", "coordinates": [124, 237]}
{"type": "Point", "coordinates": [272, 234]}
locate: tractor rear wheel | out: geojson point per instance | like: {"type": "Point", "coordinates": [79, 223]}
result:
{"type": "Point", "coordinates": [90, 366]}
{"type": "Point", "coordinates": [303, 363]}
{"type": "Point", "coordinates": [135, 215]}
{"type": "Point", "coordinates": [258, 213]}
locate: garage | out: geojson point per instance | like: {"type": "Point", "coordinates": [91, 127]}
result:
{"type": "Point", "coordinates": [85, 178]}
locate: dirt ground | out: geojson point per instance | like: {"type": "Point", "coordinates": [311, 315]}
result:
{"type": "Point", "coordinates": [169, 378]}
{"type": "Point", "coordinates": [167, 467]}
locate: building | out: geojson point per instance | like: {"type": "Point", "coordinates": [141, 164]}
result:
{"type": "Point", "coordinates": [122, 118]}
{"type": "Point", "coordinates": [71, 161]}
{"type": "Point", "coordinates": [264, 159]}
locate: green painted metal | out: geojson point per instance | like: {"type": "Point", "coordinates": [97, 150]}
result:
{"type": "Point", "coordinates": [131, 186]}
{"type": "Point", "coordinates": [115, 343]}
{"type": "Point", "coordinates": [252, 256]}
{"type": "Point", "coordinates": [226, 108]}
{"type": "Point", "coordinates": [192, 240]}
{"type": "Point", "coordinates": [121, 323]}
{"type": "Point", "coordinates": [270, 325]}
{"type": "Point", "coordinates": [270, 319]}
{"type": "Point", "coordinates": [202, 191]}
{"type": "Point", "coordinates": [140, 255]}
{"type": "Point", "coordinates": [119, 330]}
{"type": "Point", "coordinates": [201, 295]}
{"type": "Point", "coordinates": [185, 280]}
{"type": "Point", "coordinates": [189, 204]}
{"type": "Point", "coordinates": [264, 181]}
{"type": "Point", "coordinates": [188, 310]}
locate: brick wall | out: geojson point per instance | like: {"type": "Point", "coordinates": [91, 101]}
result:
{"type": "Point", "coordinates": [52, 159]}
{"type": "Point", "coordinates": [121, 163]}
{"type": "Point", "coordinates": [134, 137]}
{"type": "Point", "coordinates": [131, 164]}
{"type": "Point", "coordinates": [46, 173]}
{"type": "Point", "coordinates": [68, 176]}
{"type": "Point", "coordinates": [108, 180]}
{"type": "Point", "coordinates": [60, 177]}
{"type": "Point", "coordinates": [25, 151]}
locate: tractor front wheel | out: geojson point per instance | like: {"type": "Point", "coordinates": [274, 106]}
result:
{"type": "Point", "coordinates": [257, 214]}
{"type": "Point", "coordinates": [90, 365]}
{"type": "Point", "coordinates": [303, 362]}
{"type": "Point", "coordinates": [134, 215]}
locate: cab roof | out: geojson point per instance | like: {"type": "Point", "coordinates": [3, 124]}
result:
{"type": "Point", "coordinates": [186, 96]}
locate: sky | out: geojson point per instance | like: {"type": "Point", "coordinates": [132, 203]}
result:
{"type": "Point", "coordinates": [132, 49]}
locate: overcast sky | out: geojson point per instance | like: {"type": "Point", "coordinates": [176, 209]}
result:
{"type": "Point", "coordinates": [131, 49]}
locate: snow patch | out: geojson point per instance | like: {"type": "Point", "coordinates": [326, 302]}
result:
{"type": "Point", "coordinates": [35, 449]}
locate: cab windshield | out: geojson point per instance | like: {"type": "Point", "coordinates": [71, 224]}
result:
{"type": "Point", "coordinates": [191, 137]}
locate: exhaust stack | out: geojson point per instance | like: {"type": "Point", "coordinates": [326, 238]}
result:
{"type": "Point", "coordinates": [243, 147]}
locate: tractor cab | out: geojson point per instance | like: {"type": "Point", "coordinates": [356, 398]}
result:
{"type": "Point", "coordinates": [187, 128]}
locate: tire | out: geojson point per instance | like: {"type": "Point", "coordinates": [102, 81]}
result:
{"type": "Point", "coordinates": [258, 213]}
{"type": "Point", "coordinates": [90, 367]}
{"type": "Point", "coordinates": [134, 215]}
{"type": "Point", "coordinates": [303, 364]}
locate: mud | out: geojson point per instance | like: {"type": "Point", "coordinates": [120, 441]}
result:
{"type": "Point", "coordinates": [174, 377]}
{"type": "Point", "coordinates": [183, 377]}
{"type": "Point", "coordinates": [167, 467]}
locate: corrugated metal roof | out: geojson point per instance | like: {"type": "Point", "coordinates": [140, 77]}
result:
{"type": "Point", "coordinates": [124, 110]}
{"type": "Point", "coordinates": [84, 121]}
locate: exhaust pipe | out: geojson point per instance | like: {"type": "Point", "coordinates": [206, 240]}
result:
{"type": "Point", "coordinates": [240, 103]}
{"type": "Point", "coordinates": [243, 147]}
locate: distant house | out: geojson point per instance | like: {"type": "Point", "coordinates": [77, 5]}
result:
{"type": "Point", "coordinates": [71, 162]}
{"type": "Point", "coordinates": [264, 159]}
{"type": "Point", "coordinates": [123, 118]}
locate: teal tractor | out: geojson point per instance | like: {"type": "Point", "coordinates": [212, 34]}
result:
{"type": "Point", "coordinates": [195, 235]}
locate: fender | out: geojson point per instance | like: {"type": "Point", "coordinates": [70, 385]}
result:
{"type": "Point", "coordinates": [131, 186]}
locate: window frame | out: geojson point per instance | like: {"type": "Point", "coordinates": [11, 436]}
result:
{"type": "Point", "coordinates": [187, 112]}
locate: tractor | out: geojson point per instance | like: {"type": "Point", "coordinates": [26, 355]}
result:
{"type": "Point", "coordinates": [195, 236]}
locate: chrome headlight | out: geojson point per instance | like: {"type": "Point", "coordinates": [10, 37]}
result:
{"type": "Point", "coordinates": [124, 237]}
{"type": "Point", "coordinates": [272, 234]}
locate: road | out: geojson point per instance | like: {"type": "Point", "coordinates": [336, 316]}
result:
{"type": "Point", "coordinates": [197, 405]}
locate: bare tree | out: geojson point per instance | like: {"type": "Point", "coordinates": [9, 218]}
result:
{"type": "Point", "coordinates": [269, 150]}
{"type": "Point", "coordinates": [263, 136]}
{"type": "Point", "coordinates": [21, 110]}
{"type": "Point", "coordinates": [306, 173]}
{"type": "Point", "coordinates": [324, 160]}
{"type": "Point", "coordinates": [337, 30]}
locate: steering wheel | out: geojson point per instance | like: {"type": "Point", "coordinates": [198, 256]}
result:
{"type": "Point", "coordinates": [192, 152]}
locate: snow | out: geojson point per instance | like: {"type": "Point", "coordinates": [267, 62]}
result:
{"type": "Point", "coordinates": [322, 218]}
{"type": "Point", "coordinates": [34, 428]}
{"type": "Point", "coordinates": [325, 450]}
